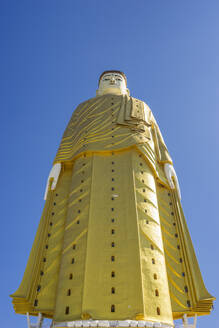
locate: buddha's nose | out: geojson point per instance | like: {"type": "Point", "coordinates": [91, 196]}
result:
{"type": "Point", "coordinates": [112, 80]}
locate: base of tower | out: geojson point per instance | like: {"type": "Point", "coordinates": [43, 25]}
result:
{"type": "Point", "coordinates": [111, 323]}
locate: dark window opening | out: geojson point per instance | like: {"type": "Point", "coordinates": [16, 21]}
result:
{"type": "Point", "coordinates": [112, 308]}
{"type": "Point", "coordinates": [158, 310]}
{"type": "Point", "coordinates": [113, 258]}
{"type": "Point", "coordinates": [153, 261]}
{"type": "Point", "coordinates": [113, 290]}
{"type": "Point", "coordinates": [70, 276]}
{"type": "Point", "coordinates": [155, 276]}
{"type": "Point", "coordinates": [113, 244]}
{"type": "Point", "coordinates": [69, 292]}
{"type": "Point", "coordinates": [112, 274]}
{"type": "Point", "coordinates": [67, 310]}
{"type": "Point", "coordinates": [35, 302]}
{"type": "Point", "coordinates": [156, 292]}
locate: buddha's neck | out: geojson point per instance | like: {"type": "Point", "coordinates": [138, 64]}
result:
{"type": "Point", "coordinates": [111, 91]}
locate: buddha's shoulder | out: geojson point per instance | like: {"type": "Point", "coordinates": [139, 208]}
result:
{"type": "Point", "coordinates": [85, 105]}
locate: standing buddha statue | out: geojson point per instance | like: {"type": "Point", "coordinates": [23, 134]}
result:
{"type": "Point", "coordinates": [112, 247]}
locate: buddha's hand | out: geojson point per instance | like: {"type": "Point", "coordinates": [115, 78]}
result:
{"type": "Point", "coordinates": [172, 178]}
{"type": "Point", "coordinates": [53, 175]}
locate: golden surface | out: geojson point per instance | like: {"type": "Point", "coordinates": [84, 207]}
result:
{"type": "Point", "coordinates": [112, 233]}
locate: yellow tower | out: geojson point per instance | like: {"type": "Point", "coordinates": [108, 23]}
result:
{"type": "Point", "coordinates": [112, 248]}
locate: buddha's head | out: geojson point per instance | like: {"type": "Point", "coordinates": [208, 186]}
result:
{"type": "Point", "coordinates": [112, 82]}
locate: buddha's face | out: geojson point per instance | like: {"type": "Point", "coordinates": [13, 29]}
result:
{"type": "Point", "coordinates": [112, 83]}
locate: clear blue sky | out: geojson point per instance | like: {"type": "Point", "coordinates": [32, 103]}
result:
{"type": "Point", "coordinates": [52, 53]}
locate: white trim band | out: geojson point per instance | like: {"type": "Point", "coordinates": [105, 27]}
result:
{"type": "Point", "coordinates": [113, 323]}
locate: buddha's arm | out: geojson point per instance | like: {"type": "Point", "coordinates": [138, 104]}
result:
{"type": "Point", "coordinates": [53, 176]}
{"type": "Point", "coordinates": [164, 158]}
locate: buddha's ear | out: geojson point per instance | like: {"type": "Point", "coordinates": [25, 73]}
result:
{"type": "Point", "coordinates": [128, 92]}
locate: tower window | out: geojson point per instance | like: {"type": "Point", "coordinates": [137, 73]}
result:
{"type": "Point", "coordinates": [74, 246]}
{"type": "Point", "coordinates": [153, 261]}
{"type": "Point", "coordinates": [112, 308]}
{"type": "Point", "coordinates": [113, 290]}
{"type": "Point", "coordinates": [156, 292]}
{"type": "Point", "coordinates": [73, 261]}
{"type": "Point", "coordinates": [113, 231]}
{"type": "Point", "coordinates": [38, 288]}
{"type": "Point", "coordinates": [35, 302]}
{"type": "Point", "coordinates": [155, 276]}
{"type": "Point", "coordinates": [113, 244]}
{"type": "Point", "coordinates": [158, 310]}
{"type": "Point", "coordinates": [69, 292]}
{"type": "Point", "coordinates": [67, 310]}
{"type": "Point", "coordinates": [70, 276]}
{"type": "Point", "coordinates": [186, 289]}
{"type": "Point", "coordinates": [112, 274]}
{"type": "Point", "coordinates": [152, 247]}
{"type": "Point", "coordinates": [113, 258]}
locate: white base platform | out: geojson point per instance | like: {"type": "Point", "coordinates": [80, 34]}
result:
{"type": "Point", "coordinates": [109, 323]}
{"type": "Point", "coordinates": [113, 323]}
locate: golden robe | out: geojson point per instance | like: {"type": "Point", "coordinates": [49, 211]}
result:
{"type": "Point", "coordinates": [112, 243]}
